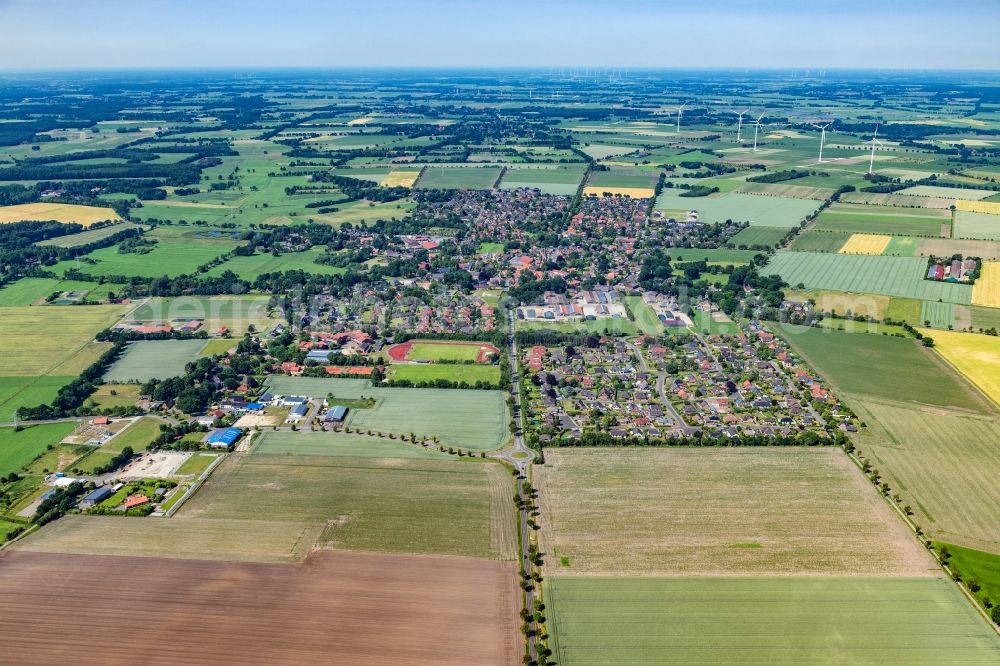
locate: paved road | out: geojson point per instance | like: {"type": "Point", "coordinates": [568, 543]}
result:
{"type": "Point", "coordinates": [661, 379]}
{"type": "Point", "coordinates": [521, 457]}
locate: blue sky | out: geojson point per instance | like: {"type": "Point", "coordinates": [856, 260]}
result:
{"type": "Point", "coordinates": [898, 34]}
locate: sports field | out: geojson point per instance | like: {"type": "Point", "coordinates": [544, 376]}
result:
{"type": "Point", "coordinates": [468, 419]}
{"type": "Point", "coordinates": [339, 444]}
{"type": "Point", "coordinates": [648, 511]}
{"type": "Point", "coordinates": [982, 226]}
{"type": "Point", "coordinates": [976, 356]}
{"type": "Point", "coordinates": [444, 351]}
{"type": "Point", "coordinates": [866, 244]}
{"type": "Point", "coordinates": [60, 212]}
{"type": "Point", "coordinates": [40, 341]}
{"type": "Point", "coordinates": [860, 218]}
{"type": "Point", "coordinates": [458, 178]}
{"type": "Point", "coordinates": [371, 504]}
{"type": "Point", "coordinates": [986, 291]}
{"type": "Point", "coordinates": [907, 371]}
{"type": "Point", "coordinates": [334, 608]}
{"type": "Point", "coordinates": [942, 462]}
{"type": "Point", "coordinates": [549, 181]}
{"type": "Point", "coordinates": [18, 449]}
{"type": "Point", "coordinates": [154, 359]}
{"type": "Point", "coordinates": [892, 276]}
{"type": "Point", "coordinates": [765, 211]}
{"type": "Point", "coordinates": [429, 372]}
{"type": "Point", "coordinates": [778, 620]}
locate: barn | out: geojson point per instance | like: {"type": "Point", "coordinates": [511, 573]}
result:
{"type": "Point", "coordinates": [224, 437]}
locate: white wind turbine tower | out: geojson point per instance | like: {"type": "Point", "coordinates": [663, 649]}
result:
{"type": "Point", "coordinates": [739, 125]}
{"type": "Point", "coordinates": [875, 142]}
{"type": "Point", "coordinates": [756, 129]}
{"type": "Point", "coordinates": [822, 138]}
{"type": "Point", "coordinates": [679, 109]}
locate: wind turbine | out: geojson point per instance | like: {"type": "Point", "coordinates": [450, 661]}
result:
{"type": "Point", "coordinates": [756, 129]}
{"type": "Point", "coordinates": [875, 141]}
{"type": "Point", "coordinates": [822, 138]}
{"type": "Point", "coordinates": [679, 109]}
{"type": "Point", "coordinates": [739, 126]}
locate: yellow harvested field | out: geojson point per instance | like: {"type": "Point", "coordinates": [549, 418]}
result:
{"type": "Point", "coordinates": [85, 215]}
{"type": "Point", "coordinates": [400, 179]}
{"type": "Point", "coordinates": [975, 356]}
{"type": "Point", "coordinates": [866, 244]}
{"type": "Point", "coordinates": [364, 120]}
{"type": "Point", "coordinates": [634, 192]}
{"type": "Point", "coordinates": [988, 207]}
{"type": "Point", "coordinates": [986, 291]}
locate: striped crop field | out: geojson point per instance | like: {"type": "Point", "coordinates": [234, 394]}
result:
{"type": "Point", "coordinates": [986, 291]}
{"type": "Point", "coordinates": [866, 244]}
{"type": "Point", "coordinates": [787, 620]}
{"type": "Point", "coordinates": [892, 276]}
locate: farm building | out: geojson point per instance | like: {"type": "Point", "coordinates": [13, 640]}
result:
{"type": "Point", "coordinates": [96, 495]}
{"type": "Point", "coordinates": [254, 406]}
{"type": "Point", "coordinates": [224, 437]}
{"type": "Point", "coordinates": [293, 401]}
{"type": "Point", "coordinates": [336, 414]}
{"type": "Point", "coordinates": [298, 412]}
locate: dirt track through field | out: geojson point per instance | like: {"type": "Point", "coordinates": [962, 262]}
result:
{"type": "Point", "coordinates": [336, 608]}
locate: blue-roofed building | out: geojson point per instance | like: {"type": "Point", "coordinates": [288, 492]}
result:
{"type": "Point", "coordinates": [255, 406]}
{"type": "Point", "coordinates": [224, 437]}
{"type": "Point", "coordinates": [96, 495]}
{"type": "Point", "coordinates": [336, 413]}
{"type": "Point", "coordinates": [298, 412]}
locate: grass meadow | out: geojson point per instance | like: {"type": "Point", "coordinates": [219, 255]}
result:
{"type": "Point", "coordinates": [468, 419]}
{"type": "Point", "coordinates": [40, 341]}
{"type": "Point", "coordinates": [450, 372]}
{"type": "Point", "coordinates": [640, 511]}
{"type": "Point", "coordinates": [154, 359]}
{"type": "Point", "coordinates": [765, 211]}
{"type": "Point", "coordinates": [18, 449]}
{"type": "Point", "coordinates": [464, 178]}
{"type": "Point", "coordinates": [340, 445]}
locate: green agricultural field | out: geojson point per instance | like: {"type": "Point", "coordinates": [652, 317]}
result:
{"type": "Point", "coordinates": [366, 212]}
{"type": "Point", "coordinates": [905, 309]}
{"type": "Point", "coordinates": [464, 178]}
{"type": "Point", "coordinates": [892, 276]}
{"type": "Point", "coordinates": [17, 392]}
{"type": "Point", "coordinates": [468, 419]}
{"type": "Point", "coordinates": [373, 504]}
{"type": "Point", "coordinates": [816, 240]}
{"type": "Point", "coordinates": [54, 341]}
{"type": "Point", "coordinates": [644, 317]}
{"type": "Point", "coordinates": [154, 359]}
{"type": "Point", "coordinates": [27, 291]}
{"type": "Point", "coordinates": [940, 315]}
{"type": "Point", "coordinates": [982, 226]}
{"type": "Point", "coordinates": [861, 218]}
{"type": "Point", "coordinates": [7, 527]}
{"type": "Point", "coordinates": [712, 256]}
{"type": "Point", "coordinates": [341, 445]}
{"type": "Point", "coordinates": [975, 566]}
{"type": "Point", "coordinates": [945, 192]}
{"type": "Point", "coordinates": [985, 318]}
{"type": "Point", "coordinates": [907, 371]}
{"type": "Point", "coordinates": [109, 396]}
{"type": "Point", "coordinates": [252, 267]}
{"type": "Point", "coordinates": [622, 178]}
{"type": "Point", "coordinates": [714, 324]}
{"type": "Point", "coordinates": [941, 462]}
{"type": "Point", "coordinates": [233, 312]}
{"type": "Point", "coordinates": [489, 374]}
{"type": "Point", "coordinates": [88, 235]}
{"type": "Point", "coordinates": [549, 181]}
{"type": "Point", "coordinates": [781, 212]}
{"type": "Point", "coordinates": [758, 236]}
{"type": "Point", "coordinates": [185, 538]}
{"type": "Point", "coordinates": [902, 246]}
{"type": "Point", "coordinates": [18, 449]}
{"type": "Point", "coordinates": [695, 511]}
{"type": "Point", "coordinates": [778, 620]}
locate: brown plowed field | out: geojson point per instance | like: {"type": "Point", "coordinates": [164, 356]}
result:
{"type": "Point", "coordinates": [335, 608]}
